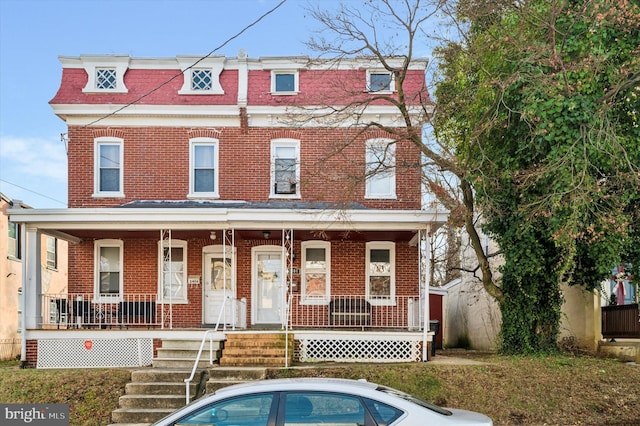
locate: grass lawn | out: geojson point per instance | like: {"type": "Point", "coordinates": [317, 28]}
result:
{"type": "Point", "coordinates": [554, 390]}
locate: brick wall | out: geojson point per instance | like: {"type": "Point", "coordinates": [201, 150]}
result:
{"type": "Point", "coordinates": [156, 165]}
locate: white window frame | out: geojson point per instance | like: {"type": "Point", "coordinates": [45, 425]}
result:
{"type": "Point", "coordinates": [98, 143]}
{"type": "Point", "coordinates": [93, 64]}
{"type": "Point", "coordinates": [14, 251]}
{"type": "Point", "coordinates": [381, 245]}
{"type": "Point", "coordinates": [285, 143]}
{"type": "Point", "coordinates": [188, 64]}
{"type": "Point", "coordinates": [183, 297]}
{"type": "Point", "coordinates": [52, 252]}
{"type": "Point", "coordinates": [323, 300]}
{"type": "Point", "coordinates": [97, 296]}
{"type": "Point", "coordinates": [275, 73]}
{"type": "Point", "coordinates": [392, 81]}
{"type": "Point", "coordinates": [193, 143]}
{"type": "Point", "coordinates": [387, 164]}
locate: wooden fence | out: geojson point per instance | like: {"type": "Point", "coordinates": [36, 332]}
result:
{"type": "Point", "coordinates": [620, 321]}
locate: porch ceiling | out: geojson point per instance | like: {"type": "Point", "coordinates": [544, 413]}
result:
{"type": "Point", "coordinates": [246, 234]}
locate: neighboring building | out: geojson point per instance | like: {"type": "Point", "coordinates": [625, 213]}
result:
{"type": "Point", "coordinates": [53, 275]}
{"type": "Point", "coordinates": [218, 192]}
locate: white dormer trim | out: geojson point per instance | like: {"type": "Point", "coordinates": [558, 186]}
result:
{"type": "Point", "coordinates": [93, 63]}
{"type": "Point", "coordinates": [213, 64]}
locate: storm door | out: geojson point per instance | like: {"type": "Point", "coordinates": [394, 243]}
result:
{"type": "Point", "coordinates": [218, 286]}
{"type": "Point", "coordinates": [268, 288]}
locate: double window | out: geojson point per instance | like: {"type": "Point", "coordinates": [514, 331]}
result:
{"type": "Point", "coordinates": [316, 272]}
{"type": "Point", "coordinates": [380, 169]}
{"type": "Point", "coordinates": [203, 166]}
{"type": "Point", "coordinates": [108, 171]}
{"type": "Point", "coordinates": [380, 273]}
{"type": "Point", "coordinates": [108, 269]}
{"type": "Point", "coordinates": [285, 168]}
{"type": "Point", "coordinates": [172, 271]}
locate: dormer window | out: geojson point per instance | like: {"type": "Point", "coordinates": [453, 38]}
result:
{"type": "Point", "coordinates": [284, 82]}
{"type": "Point", "coordinates": [105, 73]}
{"type": "Point", "coordinates": [106, 78]}
{"type": "Point", "coordinates": [201, 76]}
{"type": "Point", "coordinates": [380, 81]}
{"type": "Point", "coordinates": [201, 80]}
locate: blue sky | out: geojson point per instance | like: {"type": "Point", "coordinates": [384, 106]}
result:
{"type": "Point", "coordinates": [34, 33]}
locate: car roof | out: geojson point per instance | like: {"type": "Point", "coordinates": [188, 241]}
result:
{"type": "Point", "coordinates": [306, 383]}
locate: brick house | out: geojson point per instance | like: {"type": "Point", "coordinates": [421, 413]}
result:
{"type": "Point", "coordinates": [233, 194]}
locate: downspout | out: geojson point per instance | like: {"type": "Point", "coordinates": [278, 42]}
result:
{"type": "Point", "coordinates": [425, 246]}
{"type": "Point", "coordinates": [23, 302]}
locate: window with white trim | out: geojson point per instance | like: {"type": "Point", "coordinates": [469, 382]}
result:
{"type": "Point", "coordinates": [284, 82]}
{"type": "Point", "coordinates": [52, 252]}
{"type": "Point", "coordinates": [172, 271]}
{"type": "Point", "coordinates": [203, 166]}
{"type": "Point", "coordinates": [380, 81]}
{"type": "Point", "coordinates": [201, 76]}
{"type": "Point", "coordinates": [316, 272]}
{"type": "Point", "coordinates": [14, 238]}
{"type": "Point", "coordinates": [380, 169]}
{"type": "Point", "coordinates": [108, 167]}
{"type": "Point", "coordinates": [380, 272]}
{"type": "Point", "coordinates": [108, 270]}
{"type": "Point", "coordinates": [285, 168]}
{"type": "Point", "coordinates": [105, 73]}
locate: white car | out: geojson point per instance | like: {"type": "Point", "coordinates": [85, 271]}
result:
{"type": "Point", "coordinates": [316, 401]}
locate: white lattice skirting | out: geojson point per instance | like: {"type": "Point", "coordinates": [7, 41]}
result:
{"type": "Point", "coordinates": [94, 353]}
{"type": "Point", "coordinates": [319, 348]}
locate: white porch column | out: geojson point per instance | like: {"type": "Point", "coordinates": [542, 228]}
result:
{"type": "Point", "coordinates": [32, 279]}
{"type": "Point", "coordinates": [425, 247]}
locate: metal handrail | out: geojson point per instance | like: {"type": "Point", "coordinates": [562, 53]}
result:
{"type": "Point", "coordinates": [188, 380]}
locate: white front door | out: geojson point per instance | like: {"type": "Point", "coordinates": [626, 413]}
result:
{"type": "Point", "coordinates": [218, 286]}
{"type": "Point", "coordinates": [268, 289]}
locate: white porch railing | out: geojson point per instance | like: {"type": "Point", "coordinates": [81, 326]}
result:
{"type": "Point", "coordinates": [78, 310]}
{"type": "Point", "coordinates": [356, 311]}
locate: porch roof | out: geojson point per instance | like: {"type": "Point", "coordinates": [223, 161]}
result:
{"type": "Point", "coordinates": [198, 215]}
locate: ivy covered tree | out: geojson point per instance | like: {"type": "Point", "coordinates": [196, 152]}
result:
{"type": "Point", "coordinates": [540, 99]}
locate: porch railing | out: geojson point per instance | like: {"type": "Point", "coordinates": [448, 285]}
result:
{"type": "Point", "coordinates": [620, 321]}
{"type": "Point", "coordinates": [356, 312]}
{"type": "Point", "coordinates": [82, 310]}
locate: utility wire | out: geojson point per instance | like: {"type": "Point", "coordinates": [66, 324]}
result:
{"type": "Point", "coordinates": [238, 34]}
{"type": "Point", "coordinates": [34, 192]}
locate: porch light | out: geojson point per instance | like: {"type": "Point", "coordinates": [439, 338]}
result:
{"type": "Point", "coordinates": [213, 235]}
{"type": "Point", "coordinates": [266, 234]}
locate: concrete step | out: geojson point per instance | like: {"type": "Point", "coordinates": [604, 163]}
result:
{"type": "Point", "coordinates": [187, 353]}
{"type": "Point", "coordinates": [160, 375]}
{"type": "Point", "coordinates": [213, 386]}
{"type": "Point", "coordinates": [159, 388]}
{"type": "Point", "coordinates": [189, 344]}
{"type": "Point", "coordinates": [180, 363]}
{"type": "Point", "coordinates": [139, 415]}
{"type": "Point", "coordinates": [152, 401]}
{"type": "Point", "coordinates": [237, 374]}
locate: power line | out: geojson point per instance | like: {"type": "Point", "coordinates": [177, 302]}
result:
{"type": "Point", "coordinates": [33, 192]}
{"type": "Point", "coordinates": [238, 34]}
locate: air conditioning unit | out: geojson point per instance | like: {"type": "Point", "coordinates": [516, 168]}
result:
{"type": "Point", "coordinates": [284, 187]}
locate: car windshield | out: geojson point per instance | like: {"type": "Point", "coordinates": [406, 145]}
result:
{"type": "Point", "coordinates": [414, 400]}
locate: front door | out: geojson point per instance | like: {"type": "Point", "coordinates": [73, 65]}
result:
{"type": "Point", "coordinates": [218, 287]}
{"type": "Point", "coordinates": [268, 285]}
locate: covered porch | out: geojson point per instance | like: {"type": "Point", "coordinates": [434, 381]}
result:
{"type": "Point", "coordinates": [231, 269]}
